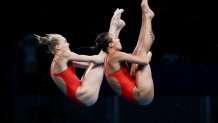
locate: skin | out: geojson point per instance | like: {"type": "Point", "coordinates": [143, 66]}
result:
{"type": "Point", "coordinates": [140, 58]}
{"type": "Point", "coordinates": [88, 92]}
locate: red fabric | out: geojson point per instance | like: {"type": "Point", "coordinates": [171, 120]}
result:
{"type": "Point", "coordinates": [126, 82]}
{"type": "Point", "coordinates": [72, 82]}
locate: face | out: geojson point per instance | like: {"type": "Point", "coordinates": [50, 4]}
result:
{"type": "Point", "coordinates": [63, 44]}
{"type": "Point", "coordinates": [115, 42]}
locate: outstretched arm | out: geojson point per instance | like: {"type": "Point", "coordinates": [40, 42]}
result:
{"type": "Point", "coordinates": [116, 23]}
{"type": "Point", "coordinates": [97, 59]}
{"type": "Point", "coordinates": [81, 64]}
{"type": "Point", "coordinates": [136, 59]}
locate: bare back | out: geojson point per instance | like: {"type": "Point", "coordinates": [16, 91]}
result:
{"type": "Point", "coordinates": [114, 66]}
{"type": "Point", "coordinates": [59, 64]}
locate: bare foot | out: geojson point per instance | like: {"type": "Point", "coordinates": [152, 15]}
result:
{"type": "Point", "coordinates": [116, 19]}
{"type": "Point", "coordinates": [146, 9]}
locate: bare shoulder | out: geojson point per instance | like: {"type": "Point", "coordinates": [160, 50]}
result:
{"type": "Point", "coordinates": [121, 56]}
{"type": "Point", "coordinates": [68, 55]}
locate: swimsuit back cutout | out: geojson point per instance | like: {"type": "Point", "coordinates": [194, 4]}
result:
{"type": "Point", "coordinates": [127, 83]}
{"type": "Point", "coordinates": [72, 82]}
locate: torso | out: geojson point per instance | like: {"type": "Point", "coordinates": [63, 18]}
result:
{"type": "Point", "coordinates": [58, 65]}
{"type": "Point", "coordinates": [118, 77]}
{"type": "Point", "coordinates": [64, 76]}
{"type": "Point", "coordinates": [112, 67]}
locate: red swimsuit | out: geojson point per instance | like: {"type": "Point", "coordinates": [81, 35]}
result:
{"type": "Point", "coordinates": [72, 82]}
{"type": "Point", "coordinates": [127, 83]}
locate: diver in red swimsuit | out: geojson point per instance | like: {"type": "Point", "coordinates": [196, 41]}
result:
{"type": "Point", "coordinates": [136, 84]}
{"type": "Point", "coordinates": [83, 91]}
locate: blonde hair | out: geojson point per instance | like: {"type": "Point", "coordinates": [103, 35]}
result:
{"type": "Point", "coordinates": [51, 40]}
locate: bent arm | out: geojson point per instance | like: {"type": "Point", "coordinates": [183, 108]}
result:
{"type": "Point", "coordinates": [137, 59]}
{"type": "Point", "coordinates": [81, 64]}
{"type": "Point", "coordinates": [97, 59]}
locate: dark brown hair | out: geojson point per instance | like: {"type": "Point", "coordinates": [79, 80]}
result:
{"type": "Point", "coordinates": [102, 41]}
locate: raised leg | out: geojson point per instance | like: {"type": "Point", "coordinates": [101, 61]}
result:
{"type": "Point", "coordinates": [144, 91]}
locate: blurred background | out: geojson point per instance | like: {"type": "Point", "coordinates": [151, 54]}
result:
{"type": "Point", "coordinates": [184, 63]}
